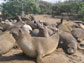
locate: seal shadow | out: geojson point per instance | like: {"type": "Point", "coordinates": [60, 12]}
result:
{"type": "Point", "coordinates": [19, 56]}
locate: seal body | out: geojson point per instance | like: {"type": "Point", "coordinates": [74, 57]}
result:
{"type": "Point", "coordinates": [36, 46]}
{"type": "Point", "coordinates": [68, 42]}
{"type": "Point", "coordinates": [78, 33]}
{"type": "Point", "coordinates": [7, 42]}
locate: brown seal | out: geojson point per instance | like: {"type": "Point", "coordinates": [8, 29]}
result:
{"type": "Point", "coordinates": [36, 46]}
{"type": "Point", "coordinates": [68, 42]}
{"type": "Point", "coordinates": [7, 42]}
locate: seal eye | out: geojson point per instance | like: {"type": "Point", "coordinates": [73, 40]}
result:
{"type": "Point", "coordinates": [19, 30]}
{"type": "Point", "coordinates": [34, 21]}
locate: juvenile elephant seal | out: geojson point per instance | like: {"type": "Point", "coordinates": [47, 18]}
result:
{"type": "Point", "coordinates": [78, 33]}
{"type": "Point", "coordinates": [36, 46]}
{"type": "Point", "coordinates": [43, 31]}
{"type": "Point", "coordinates": [6, 42]}
{"type": "Point", "coordinates": [66, 26]}
{"type": "Point", "coordinates": [68, 42]}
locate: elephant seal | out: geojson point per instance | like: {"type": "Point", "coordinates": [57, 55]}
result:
{"type": "Point", "coordinates": [36, 46]}
{"type": "Point", "coordinates": [68, 42]}
{"type": "Point", "coordinates": [78, 33]}
{"type": "Point", "coordinates": [43, 31]}
{"type": "Point", "coordinates": [7, 42]}
{"type": "Point", "coordinates": [66, 26]}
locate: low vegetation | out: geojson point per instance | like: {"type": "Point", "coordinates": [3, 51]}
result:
{"type": "Point", "coordinates": [74, 8]}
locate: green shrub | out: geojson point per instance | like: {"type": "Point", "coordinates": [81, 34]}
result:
{"type": "Point", "coordinates": [15, 7]}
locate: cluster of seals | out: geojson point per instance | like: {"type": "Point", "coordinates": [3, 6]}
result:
{"type": "Point", "coordinates": [72, 33]}
{"type": "Point", "coordinates": [38, 39]}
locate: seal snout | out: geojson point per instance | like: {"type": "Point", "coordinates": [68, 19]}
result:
{"type": "Point", "coordinates": [70, 50]}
